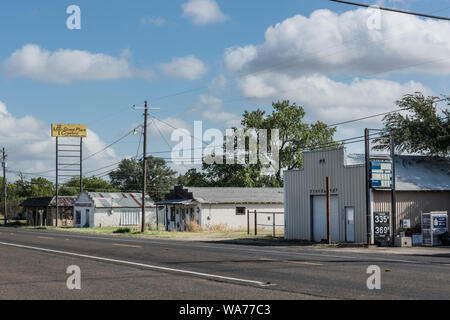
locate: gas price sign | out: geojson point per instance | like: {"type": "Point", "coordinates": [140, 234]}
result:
{"type": "Point", "coordinates": [382, 228]}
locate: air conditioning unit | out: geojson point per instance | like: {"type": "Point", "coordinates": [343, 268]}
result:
{"type": "Point", "coordinates": [433, 225]}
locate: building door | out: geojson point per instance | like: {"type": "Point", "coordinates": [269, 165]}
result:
{"type": "Point", "coordinates": [320, 218]}
{"type": "Point", "coordinates": [87, 218]}
{"type": "Point", "coordinates": [350, 224]}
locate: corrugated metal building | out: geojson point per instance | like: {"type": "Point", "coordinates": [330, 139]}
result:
{"type": "Point", "coordinates": [95, 209]}
{"type": "Point", "coordinates": [423, 184]}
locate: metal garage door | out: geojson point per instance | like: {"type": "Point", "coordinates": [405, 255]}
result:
{"type": "Point", "coordinates": [320, 218]}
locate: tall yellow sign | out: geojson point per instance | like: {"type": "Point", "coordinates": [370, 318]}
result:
{"type": "Point", "coordinates": [69, 130]}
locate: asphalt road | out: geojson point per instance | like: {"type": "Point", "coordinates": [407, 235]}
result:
{"type": "Point", "coordinates": [33, 265]}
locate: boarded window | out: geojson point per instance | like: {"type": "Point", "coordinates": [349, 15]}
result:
{"type": "Point", "coordinates": [240, 211]}
{"type": "Point", "coordinates": [130, 218]}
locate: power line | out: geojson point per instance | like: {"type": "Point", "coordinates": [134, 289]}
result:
{"type": "Point", "coordinates": [392, 10]}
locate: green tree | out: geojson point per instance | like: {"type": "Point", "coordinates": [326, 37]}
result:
{"type": "Point", "coordinates": [90, 184]}
{"type": "Point", "coordinates": [41, 187]}
{"type": "Point", "coordinates": [193, 178]}
{"type": "Point", "coordinates": [422, 130]}
{"type": "Point", "coordinates": [295, 136]}
{"type": "Point", "coordinates": [160, 178]}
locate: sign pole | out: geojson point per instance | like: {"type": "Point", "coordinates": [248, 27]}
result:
{"type": "Point", "coordinates": [57, 205]}
{"type": "Point", "coordinates": [393, 193]}
{"type": "Point", "coordinates": [368, 206]}
{"type": "Point", "coordinates": [81, 164]}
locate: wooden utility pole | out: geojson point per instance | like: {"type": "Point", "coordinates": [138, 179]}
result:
{"type": "Point", "coordinates": [4, 165]}
{"type": "Point", "coordinates": [144, 169]}
{"type": "Point", "coordinates": [328, 211]}
{"type": "Point", "coordinates": [144, 163]}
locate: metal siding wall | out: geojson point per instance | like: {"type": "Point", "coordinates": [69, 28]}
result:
{"type": "Point", "coordinates": [411, 204]}
{"type": "Point", "coordinates": [349, 181]}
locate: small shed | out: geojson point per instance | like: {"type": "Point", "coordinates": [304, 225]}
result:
{"type": "Point", "coordinates": [95, 209]}
{"type": "Point", "coordinates": [42, 211]}
{"type": "Point", "coordinates": [226, 207]}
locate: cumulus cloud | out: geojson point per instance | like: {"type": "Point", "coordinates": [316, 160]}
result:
{"type": "Point", "coordinates": [211, 108]}
{"type": "Point", "coordinates": [189, 67]}
{"type": "Point", "coordinates": [328, 42]}
{"type": "Point", "coordinates": [203, 12]}
{"type": "Point", "coordinates": [302, 57]}
{"type": "Point", "coordinates": [328, 100]}
{"type": "Point", "coordinates": [65, 65]}
{"type": "Point", "coordinates": [37, 148]}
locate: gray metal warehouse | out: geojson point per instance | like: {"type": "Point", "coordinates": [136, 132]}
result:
{"type": "Point", "coordinates": [423, 185]}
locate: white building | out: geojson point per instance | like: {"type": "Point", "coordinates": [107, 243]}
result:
{"type": "Point", "coordinates": [228, 207]}
{"type": "Point", "coordinates": [93, 209]}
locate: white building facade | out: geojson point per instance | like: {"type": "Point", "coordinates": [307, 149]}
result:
{"type": "Point", "coordinates": [95, 210]}
{"type": "Point", "coordinates": [226, 207]}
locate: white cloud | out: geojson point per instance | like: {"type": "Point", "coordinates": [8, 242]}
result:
{"type": "Point", "coordinates": [328, 42]}
{"type": "Point", "coordinates": [302, 56]}
{"type": "Point", "coordinates": [203, 12]}
{"type": "Point", "coordinates": [211, 108]}
{"type": "Point", "coordinates": [328, 100]}
{"type": "Point", "coordinates": [65, 65]}
{"type": "Point", "coordinates": [31, 148]}
{"type": "Point", "coordinates": [189, 67]}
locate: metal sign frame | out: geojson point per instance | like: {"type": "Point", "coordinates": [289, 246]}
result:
{"type": "Point", "coordinates": [68, 152]}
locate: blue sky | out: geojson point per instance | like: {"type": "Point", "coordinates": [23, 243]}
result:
{"type": "Point", "coordinates": [141, 43]}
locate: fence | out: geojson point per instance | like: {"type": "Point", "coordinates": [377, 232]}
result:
{"type": "Point", "coordinates": [263, 226]}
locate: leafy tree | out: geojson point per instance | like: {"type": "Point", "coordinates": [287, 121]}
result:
{"type": "Point", "coordinates": [160, 178]}
{"type": "Point", "coordinates": [295, 136]}
{"type": "Point", "coordinates": [422, 130]}
{"type": "Point", "coordinates": [193, 178]}
{"type": "Point", "coordinates": [41, 187]}
{"type": "Point", "coordinates": [91, 184]}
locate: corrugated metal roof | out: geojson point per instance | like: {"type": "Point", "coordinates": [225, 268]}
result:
{"type": "Point", "coordinates": [63, 201]}
{"type": "Point", "coordinates": [118, 200]}
{"type": "Point", "coordinates": [228, 195]}
{"type": "Point", "coordinates": [414, 173]}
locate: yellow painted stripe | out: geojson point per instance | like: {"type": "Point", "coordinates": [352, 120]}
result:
{"type": "Point", "coordinates": [47, 238]}
{"type": "Point", "coordinates": [126, 245]}
{"type": "Point", "coordinates": [294, 262]}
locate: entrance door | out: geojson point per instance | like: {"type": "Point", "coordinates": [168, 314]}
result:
{"type": "Point", "coordinates": [320, 218]}
{"type": "Point", "coordinates": [350, 224]}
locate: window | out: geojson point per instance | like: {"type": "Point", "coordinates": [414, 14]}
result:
{"type": "Point", "coordinates": [240, 211]}
{"type": "Point", "coordinates": [78, 217]}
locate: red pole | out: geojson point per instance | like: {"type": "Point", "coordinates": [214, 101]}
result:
{"type": "Point", "coordinates": [274, 225]}
{"type": "Point", "coordinates": [248, 222]}
{"type": "Point", "coordinates": [256, 223]}
{"type": "Point", "coordinates": [328, 212]}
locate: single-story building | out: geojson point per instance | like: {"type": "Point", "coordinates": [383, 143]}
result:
{"type": "Point", "coordinates": [42, 211]}
{"type": "Point", "coordinates": [422, 185]}
{"type": "Point", "coordinates": [101, 209]}
{"type": "Point", "coordinates": [226, 207]}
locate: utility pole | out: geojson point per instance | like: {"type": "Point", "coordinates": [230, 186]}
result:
{"type": "Point", "coordinates": [144, 163]}
{"type": "Point", "coordinates": [4, 165]}
{"type": "Point", "coordinates": [393, 193]}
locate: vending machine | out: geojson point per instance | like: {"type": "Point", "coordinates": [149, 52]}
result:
{"type": "Point", "coordinates": [433, 225]}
